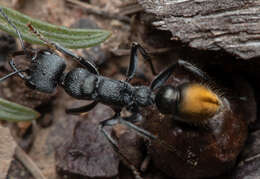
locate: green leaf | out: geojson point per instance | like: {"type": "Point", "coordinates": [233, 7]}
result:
{"type": "Point", "coordinates": [70, 38]}
{"type": "Point", "coordinates": [15, 112]}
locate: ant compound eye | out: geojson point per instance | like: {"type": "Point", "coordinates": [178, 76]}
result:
{"type": "Point", "coordinates": [166, 99]}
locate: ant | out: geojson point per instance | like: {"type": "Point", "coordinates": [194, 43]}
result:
{"type": "Point", "coordinates": [47, 68]}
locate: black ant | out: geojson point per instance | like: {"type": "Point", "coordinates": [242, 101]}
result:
{"type": "Point", "coordinates": [47, 72]}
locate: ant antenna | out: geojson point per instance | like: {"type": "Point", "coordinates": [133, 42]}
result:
{"type": "Point", "coordinates": [15, 28]}
{"type": "Point", "coordinates": [12, 64]}
{"type": "Point", "coordinates": [10, 74]}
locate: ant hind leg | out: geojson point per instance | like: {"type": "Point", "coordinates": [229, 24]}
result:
{"type": "Point", "coordinates": [13, 66]}
{"type": "Point", "coordinates": [110, 122]}
{"type": "Point", "coordinates": [87, 64]}
{"type": "Point", "coordinates": [128, 121]}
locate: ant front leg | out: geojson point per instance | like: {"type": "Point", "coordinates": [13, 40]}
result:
{"type": "Point", "coordinates": [111, 122]}
{"type": "Point", "coordinates": [134, 59]}
{"type": "Point", "coordinates": [87, 64]}
{"type": "Point", "coordinates": [24, 52]}
{"type": "Point", "coordinates": [12, 24]}
{"type": "Point", "coordinates": [10, 74]}
{"type": "Point", "coordinates": [13, 66]}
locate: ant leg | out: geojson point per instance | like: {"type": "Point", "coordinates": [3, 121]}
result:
{"type": "Point", "coordinates": [16, 71]}
{"type": "Point", "coordinates": [13, 66]}
{"type": "Point", "coordinates": [128, 122]}
{"type": "Point", "coordinates": [134, 59]}
{"type": "Point", "coordinates": [24, 52]}
{"type": "Point", "coordinates": [82, 109]}
{"type": "Point", "coordinates": [136, 117]}
{"type": "Point", "coordinates": [85, 63]}
{"type": "Point", "coordinates": [15, 28]}
{"type": "Point", "coordinates": [163, 76]}
{"type": "Point", "coordinates": [110, 122]}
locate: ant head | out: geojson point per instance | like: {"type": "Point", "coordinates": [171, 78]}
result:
{"type": "Point", "coordinates": [45, 72]}
{"type": "Point", "coordinates": [167, 99]}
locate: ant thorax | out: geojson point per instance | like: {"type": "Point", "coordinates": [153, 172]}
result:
{"type": "Point", "coordinates": [143, 96]}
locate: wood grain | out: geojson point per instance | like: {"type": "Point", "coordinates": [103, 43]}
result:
{"type": "Point", "coordinates": [230, 25]}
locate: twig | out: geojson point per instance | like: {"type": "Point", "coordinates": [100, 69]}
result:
{"type": "Point", "coordinates": [124, 52]}
{"type": "Point", "coordinates": [128, 3]}
{"type": "Point", "coordinates": [252, 158]}
{"type": "Point", "coordinates": [28, 163]}
{"type": "Point", "coordinates": [131, 9]}
{"type": "Point", "coordinates": [145, 163]}
{"type": "Point", "coordinates": [97, 11]}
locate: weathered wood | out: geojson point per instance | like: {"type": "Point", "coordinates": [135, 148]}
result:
{"type": "Point", "coordinates": [7, 150]}
{"type": "Point", "coordinates": [231, 25]}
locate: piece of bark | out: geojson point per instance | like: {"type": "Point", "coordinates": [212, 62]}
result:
{"type": "Point", "coordinates": [229, 25]}
{"type": "Point", "coordinates": [7, 149]}
{"type": "Point", "coordinates": [87, 153]}
{"type": "Point", "coordinates": [130, 145]}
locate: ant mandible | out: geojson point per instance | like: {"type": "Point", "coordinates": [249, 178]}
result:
{"type": "Point", "coordinates": [47, 72]}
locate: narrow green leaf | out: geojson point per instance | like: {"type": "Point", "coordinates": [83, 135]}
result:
{"type": "Point", "coordinates": [70, 38]}
{"type": "Point", "coordinates": [15, 112]}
